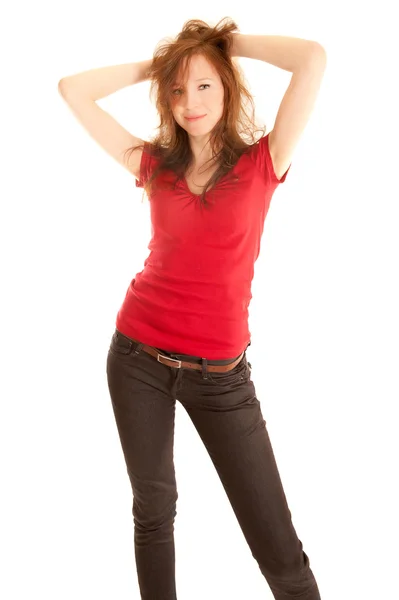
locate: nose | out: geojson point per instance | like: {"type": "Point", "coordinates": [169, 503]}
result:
{"type": "Point", "coordinates": [189, 100]}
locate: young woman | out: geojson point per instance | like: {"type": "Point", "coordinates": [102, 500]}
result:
{"type": "Point", "coordinates": [182, 330]}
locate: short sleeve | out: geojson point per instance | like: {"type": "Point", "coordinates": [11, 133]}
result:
{"type": "Point", "coordinates": [262, 158]}
{"type": "Point", "coordinates": [147, 165]}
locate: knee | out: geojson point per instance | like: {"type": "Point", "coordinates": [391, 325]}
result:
{"type": "Point", "coordinates": [155, 506]}
{"type": "Point", "coordinates": [291, 576]}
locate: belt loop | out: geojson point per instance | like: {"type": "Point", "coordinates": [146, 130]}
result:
{"type": "Point", "coordinates": [204, 368]}
{"type": "Point", "coordinates": [138, 348]}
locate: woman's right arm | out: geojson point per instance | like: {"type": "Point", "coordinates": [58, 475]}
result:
{"type": "Point", "coordinates": [82, 91]}
{"type": "Point", "coordinates": [99, 83]}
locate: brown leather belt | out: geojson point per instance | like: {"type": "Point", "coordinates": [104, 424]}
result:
{"type": "Point", "coordinates": [178, 364]}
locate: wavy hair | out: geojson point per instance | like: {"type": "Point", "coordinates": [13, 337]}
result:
{"type": "Point", "coordinates": [171, 143]}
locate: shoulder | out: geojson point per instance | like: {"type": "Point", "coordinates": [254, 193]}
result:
{"type": "Point", "coordinates": [264, 157]}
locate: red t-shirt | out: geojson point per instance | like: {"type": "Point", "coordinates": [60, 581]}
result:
{"type": "Point", "coordinates": [193, 294]}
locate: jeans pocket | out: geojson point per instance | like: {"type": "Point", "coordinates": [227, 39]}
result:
{"type": "Point", "coordinates": [121, 344]}
{"type": "Point", "coordinates": [241, 373]}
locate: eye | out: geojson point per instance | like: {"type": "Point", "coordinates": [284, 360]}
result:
{"type": "Point", "coordinates": [202, 85]}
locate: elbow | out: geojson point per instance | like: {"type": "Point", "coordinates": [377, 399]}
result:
{"type": "Point", "coordinates": [319, 52]}
{"type": "Point", "coordinates": [61, 86]}
{"type": "Point", "coordinates": [64, 84]}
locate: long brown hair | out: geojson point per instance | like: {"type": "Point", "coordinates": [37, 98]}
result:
{"type": "Point", "coordinates": [171, 145]}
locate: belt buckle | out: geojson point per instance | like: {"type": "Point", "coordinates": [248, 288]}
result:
{"type": "Point", "coordinates": [168, 358]}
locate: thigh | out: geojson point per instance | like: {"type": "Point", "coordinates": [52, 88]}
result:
{"type": "Point", "coordinates": [145, 416]}
{"type": "Point", "coordinates": [229, 420]}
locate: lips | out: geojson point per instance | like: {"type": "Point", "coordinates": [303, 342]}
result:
{"type": "Point", "coordinates": [195, 118]}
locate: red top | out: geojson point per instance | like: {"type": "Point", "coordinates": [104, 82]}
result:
{"type": "Point", "coordinates": [193, 294]}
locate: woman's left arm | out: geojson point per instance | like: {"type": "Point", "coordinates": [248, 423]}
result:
{"type": "Point", "coordinates": [307, 62]}
{"type": "Point", "coordinates": [288, 53]}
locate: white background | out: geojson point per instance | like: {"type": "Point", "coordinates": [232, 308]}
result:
{"type": "Point", "coordinates": [323, 318]}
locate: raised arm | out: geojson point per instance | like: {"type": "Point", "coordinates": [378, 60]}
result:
{"type": "Point", "coordinates": [81, 91]}
{"type": "Point", "coordinates": [306, 60]}
{"type": "Point", "coordinates": [99, 83]}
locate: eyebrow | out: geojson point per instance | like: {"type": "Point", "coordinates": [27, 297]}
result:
{"type": "Point", "coordinates": [202, 79]}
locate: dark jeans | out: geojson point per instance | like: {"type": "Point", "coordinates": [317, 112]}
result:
{"type": "Point", "coordinates": [227, 415]}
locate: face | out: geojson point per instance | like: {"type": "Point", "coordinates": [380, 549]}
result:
{"type": "Point", "coordinates": [201, 95]}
